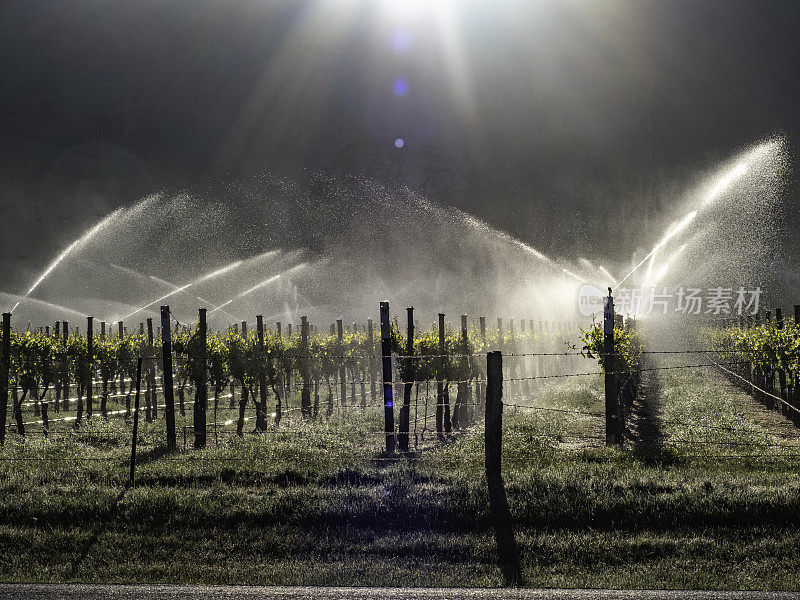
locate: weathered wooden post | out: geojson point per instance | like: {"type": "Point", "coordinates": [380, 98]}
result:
{"type": "Point", "coordinates": [244, 329]}
{"type": "Point", "coordinates": [65, 372]}
{"type": "Point", "coordinates": [201, 393]}
{"type": "Point", "coordinates": [405, 410]}
{"type": "Point", "coordinates": [781, 372]}
{"type": "Point", "coordinates": [340, 358]}
{"type": "Point", "coordinates": [493, 433]}
{"type": "Point", "coordinates": [135, 419]}
{"type": "Point", "coordinates": [373, 394]}
{"type": "Point", "coordinates": [508, 553]}
{"type": "Point", "coordinates": [795, 382]}
{"type": "Point", "coordinates": [482, 321]}
{"type": "Point", "coordinates": [151, 369]}
{"type": "Point", "coordinates": [386, 354]}
{"type": "Point", "coordinates": [5, 373]}
{"type": "Point", "coordinates": [89, 359]}
{"type": "Point", "coordinates": [443, 424]}
{"type": "Point", "coordinates": [120, 329]}
{"type": "Point", "coordinates": [169, 395]}
{"type": "Point", "coordinates": [261, 407]}
{"type": "Point", "coordinates": [305, 393]}
{"type": "Point", "coordinates": [59, 381]}
{"type": "Point", "coordinates": [439, 385]}
{"type": "Point", "coordinates": [102, 330]}
{"type": "Point", "coordinates": [609, 363]}
{"type": "Point", "coordinates": [463, 408]}
{"type": "Point", "coordinates": [769, 375]}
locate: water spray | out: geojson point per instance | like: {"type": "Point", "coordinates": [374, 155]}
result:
{"type": "Point", "coordinates": [664, 268]}
{"type": "Point", "coordinates": [721, 184]}
{"type": "Point", "coordinates": [199, 280]}
{"type": "Point", "coordinates": [478, 224]}
{"type": "Point", "coordinates": [169, 284]}
{"type": "Point", "coordinates": [49, 305]}
{"type": "Point", "coordinates": [264, 283]}
{"type": "Point", "coordinates": [79, 242]}
{"type": "Point", "coordinates": [607, 274]}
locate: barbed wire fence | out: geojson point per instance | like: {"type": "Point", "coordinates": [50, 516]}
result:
{"type": "Point", "coordinates": [430, 399]}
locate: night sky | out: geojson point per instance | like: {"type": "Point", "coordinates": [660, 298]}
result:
{"type": "Point", "coordinates": [529, 114]}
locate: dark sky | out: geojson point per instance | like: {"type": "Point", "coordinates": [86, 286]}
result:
{"type": "Point", "coordinates": [523, 112]}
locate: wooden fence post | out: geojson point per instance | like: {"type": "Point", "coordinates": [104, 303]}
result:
{"type": "Point", "coordinates": [120, 329]}
{"type": "Point", "coordinates": [89, 359]}
{"type": "Point", "coordinates": [169, 395]}
{"type": "Point", "coordinates": [493, 433]}
{"type": "Point", "coordinates": [386, 355]}
{"type": "Point", "coordinates": [463, 401]}
{"type": "Point", "coordinates": [448, 424]}
{"type": "Point", "coordinates": [65, 372]}
{"type": "Point", "coordinates": [340, 358]}
{"type": "Point", "coordinates": [769, 379]}
{"type": "Point", "coordinates": [135, 418]}
{"type": "Point", "coordinates": [373, 394]}
{"type": "Point", "coordinates": [439, 382]}
{"type": "Point", "coordinates": [305, 393]}
{"type": "Point", "coordinates": [405, 410]}
{"type": "Point", "coordinates": [508, 554]}
{"type": "Point", "coordinates": [151, 369]}
{"type": "Point", "coordinates": [201, 394]}
{"type": "Point", "coordinates": [609, 366]}
{"type": "Point", "coordinates": [795, 381]}
{"type": "Point", "coordinates": [5, 373]}
{"type": "Point", "coordinates": [261, 406]}
{"type": "Point", "coordinates": [781, 372]}
{"type": "Point", "coordinates": [58, 382]}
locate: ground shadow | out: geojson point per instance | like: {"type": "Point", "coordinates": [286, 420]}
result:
{"type": "Point", "coordinates": [504, 533]}
{"type": "Point", "coordinates": [153, 454]}
{"type": "Point", "coordinates": [644, 426]}
{"type": "Point", "coordinates": [98, 530]}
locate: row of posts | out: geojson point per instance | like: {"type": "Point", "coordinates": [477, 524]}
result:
{"type": "Point", "coordinates": [763, 377]}
{"type": "Point", "coordinates": [443, 420]}
{"type": "Point", "coordinates": [443, 417]}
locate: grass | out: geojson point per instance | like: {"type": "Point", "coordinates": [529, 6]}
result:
{"type": "Point", "coordinates": [312, 503]}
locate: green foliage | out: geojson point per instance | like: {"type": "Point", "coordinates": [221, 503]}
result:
{"type": "Point", "coordinates": [33, 361]}
{"type": "Point", "coordinates": [38, 359]}
{"type": "Point", "coordinates": [628, 347]}
{"type": "Point", "coordinates": [765, 345]}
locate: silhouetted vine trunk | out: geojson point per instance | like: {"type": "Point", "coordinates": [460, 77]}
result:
{"type": "Point", "coordinates": [17, 402]}
{"type": "Point", "coordinates": [79, 416]}
{"type": "Point", "coordinates": [242, 407]}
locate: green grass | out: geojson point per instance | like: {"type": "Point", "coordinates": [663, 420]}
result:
{"type": "Point", "coordinates": [314, 504]}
